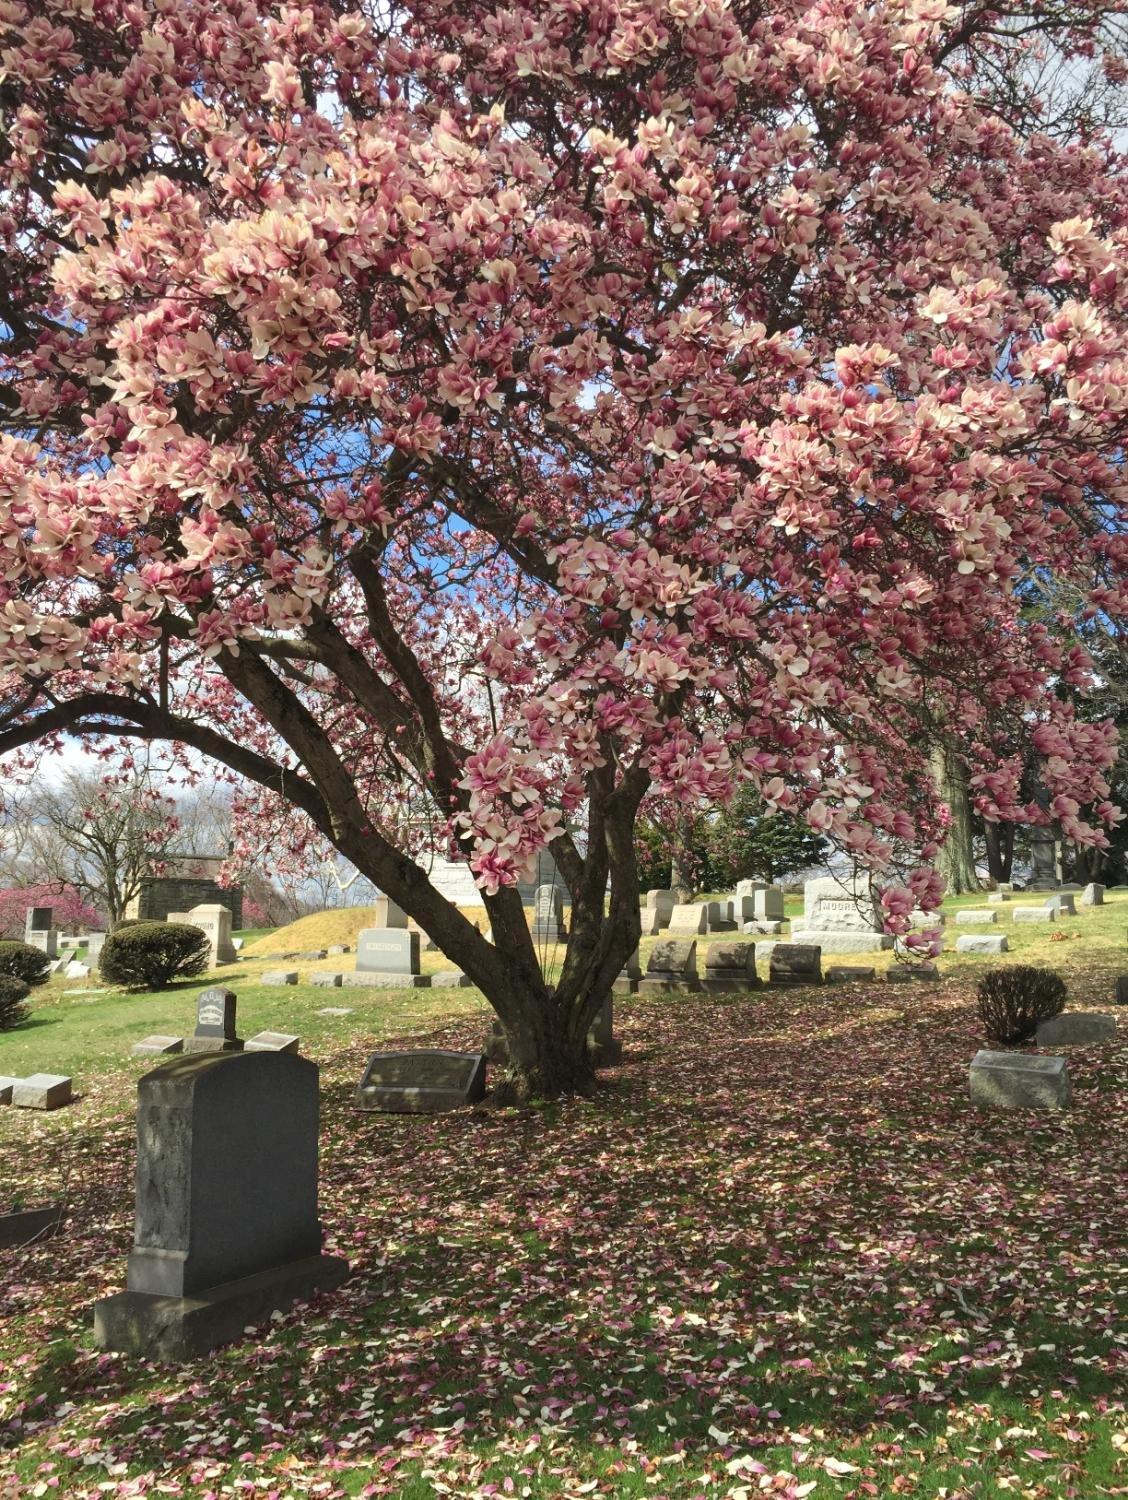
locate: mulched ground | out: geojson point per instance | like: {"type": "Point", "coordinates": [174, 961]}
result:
{"type": "Point", "coordinates": [778, 1253]}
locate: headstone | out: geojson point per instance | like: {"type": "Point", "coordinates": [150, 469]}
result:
{"type": "Point", "coordinates": [336, 948]}
{"type": "Point", "coordinates": [1121, 992]}
{"type": "Point", "coordinates": [548, 914]}
{"type": "Point", "coordinates": [763, 929]}
{"type": "Point", "coordinates": [1019, 1080]}
{"type": "Point", "coordinates": [388, 914]}
{"type": "Point", "coordinates": [671, 969]}
{"type": "Point", "coordinates": [768, 904]}
{"type": "Point", "coordinates": [39, 931]}
{"type": "Point", "coordinates": [998, 898]}
{"type": "Point", "coordinates": [6, 1087]}
{"type": "Point", "coordinates": [215, 1022]}
{"type": "Point", "coordinates": [42, 1091]}
{"type": "Point", "coordinates": [908, 972]}
{"type": "Point", "coordinates": [424, 1082]}
{"type": "Point", "coordinates": [1044, 873]}
{"type": "Point", "coordinates": [606, 1048]}
{"type": "Point", "coordinates": [323, 980]}
{"type": "Point", "coordinates": [983, 942]}
{"type": "Point", "coordinates": [451, 979]}
{"type": "Point", "coordinates": [844, 974]}
{"type": "Point", "coordinates": [272, 1041]}
{"type": "Point", "coordinates": [214, 921]}
{"type": "Point", "coordinates": [1004, 888]}
{"type": "Point", "coordinates": [1034, 914]}
{"type": "Point", "coordinates": [1076, 1027]}
{"type": "Point", "coordinates": [387, 950]}
{"type": "Point", "coordinates": [976, 916]}
{"type": "Point", "coordinates": [630, 976]}
{"type": "Point", "coordinates": [729, 968]}
{"type": "Point", "coordinates": [663, 902]}
{"type": "Point", "coordinates": [26, 1226]}
{"type": "Point", "coordinates": [95, 942]}
{"type": "Point", "coordinates": [378, 981]}
{"type": "Point", "coordinates": [750, 887]}
{"type": "Point", "coordinates": [650, 921]}
{"type": "Point", "coordinates": [688, 918]}
{"type": "Point", "coordinates": [75, 970]}
{"type": "Point", "coordinates": [226, 1228]}
{"type": "Point", "coordinates": [795, 963]}
{"type": "Point", "coordinates": [1093, 894]}
{"type": "Point", "coordinates": [719, 916]}
{"type": "Point", "coordinates": [1062, 901]}
{"type": "Point", "coordinates": [840, 917]}
{"type": "Point", "coordinates": [279, 976]}
{"type": "Point", "coordinates": [150, 1046]}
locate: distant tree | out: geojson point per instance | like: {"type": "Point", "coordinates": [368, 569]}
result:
{"type": "Point", "coordinates": [71, 909]}
{"type": "Point", "coordinates": [716, 849]}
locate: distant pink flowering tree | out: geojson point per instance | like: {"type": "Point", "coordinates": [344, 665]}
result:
{"type": "Point", "coordinates": [71, 910]}
{"type": "Point", "coordinates": [469, 422]}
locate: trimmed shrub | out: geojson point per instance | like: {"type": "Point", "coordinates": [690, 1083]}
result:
{"type": "Point", "coordinates": [1012, 1001]}
{"type": "Point", "coordinates": [13, 993]}
{"type": "Point", "coordinates": [24, 961]}
{"type": "Point", "coordinates": [150, 955]}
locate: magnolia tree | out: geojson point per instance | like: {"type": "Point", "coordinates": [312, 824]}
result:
{"type": "Point", "coordinates": [507, 411]}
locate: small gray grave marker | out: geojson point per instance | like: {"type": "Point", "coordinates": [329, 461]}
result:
{"type": "Point", "coordinates": [1019, 1080]}
{"type": "Point", "coordinates": [423, 1082]}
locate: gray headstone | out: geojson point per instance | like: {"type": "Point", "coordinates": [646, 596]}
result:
{"type": "Point", "coordinates": [387, 950]}
{"type": "Point", "coordinates": [1004, 888]}
{"type": "Point", "coordinates": [982, 942]}
{"type": "Point", "coordinates": [1093, 894]}
{"type": "Point", "coordinates": [840, 917]}
{"type": "Point", "coordinates": [689, 917]}
{"type": "Point", "coordinates": [451, 979]}
{"type": "Point", "coordinates": [150, 1046]}
{"type": "Point", "coordinates": [998, 898]}
{"type": "Point", "coordinates": [388, 914]}
{"type": "Point", "coordinates": [768, 904]}
{"type": "Point", "coordinates": [375, 980]}
{"type": "Point", "coordinates": [42, 1091]}
{"type": "Point", "coordinates": [1120, 994]}
{"type": "Point", "coordinates": [844, 974]}
{"type": "Point", "coordinates": [976, 916]}
{"type": "Point", "coordinates": [76, 970]}
{"type": "Point", "coordinates": [279, 976]}
{"type": "Point", "coordinates": [1044, 874]}
{"type": "Point", "coordinates": [335, 948]}
{"type": "Point", "coordinates": [1075, 1028]}
{"type": "Point", "coordinates": [424, 1082]}
{"type": "Point", "coordinates": [795, 963]}
{"type": "Point", "coordinates": [729, 968]}
{"type": "Point", "coordinates": [6, 1086]}
{"type": "Point", "coordinates": [272, 1041]}
{"type": "Point", "coordinates": [662, 902]}
{"type": "Point", "coordinates": [750, 887]}
{"type": "Point", "coordinates": [323, 980]}
{"type": "Point", "coordinates": [1019, 1080]}
{"type": "Point", "coordinates": [335, 1010]}
{"type": "Point", "coordinates": [1034, 914]}
{"type": "Point", "coordinates": [215, 1022]}
{"type": "Point", "coordinates": [650, 921]}
{"type": "Point", "coordinates": [548, 914]}
{"type": "Point", "coordinates": [1063, 900]}
{"type": "Point", "coordinates": [226, 1227]}
{"type": "Point", "coordinates": [671, 967]}
{"type": "Point", "coordinates": [763, 929]}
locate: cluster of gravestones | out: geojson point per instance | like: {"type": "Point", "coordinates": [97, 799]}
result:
{"type": "Point", "coordinates": [1056, 904]}
{"type": "Point", "coordinates": [387, 957]}
{"type": "Point", "coordinates": [1026, 1080]}
{"type": "Point", "coordinates": [216, 1031]}
{"type": "Point", "coordinates": [754, 907]}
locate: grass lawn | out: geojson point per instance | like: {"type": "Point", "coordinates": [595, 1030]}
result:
{"type": "Point", "coordinates": [778, 1253]}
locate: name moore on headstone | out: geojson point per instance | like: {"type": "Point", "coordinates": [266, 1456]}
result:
{"type": "Point", "coordinates": [841, 917]}
{"type": "Point", "coordinates": [227, 1228]}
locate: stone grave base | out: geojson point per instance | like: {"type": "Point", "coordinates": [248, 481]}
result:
{"type": "Point", "coordinates": [325, 981]}
{"type": "Point", "coordinates": [183, 1328]}
{"type": "Point", "coordinates": [651, 984]}
{"type": "Point", "coordinates": [720, 984]}
{"type": "Point", "coordinates": [843, 942]}
{"type": "Point", "coordinates": [428, 1098]}
{"type": "Point", "coordinates": [451, 979]}
{"type": "Point", "coordinates": [376, 981]}
{"type": "Point", "coordinates": [151, 1046]}
{"type": "Point", "coordinates": [28, 1224]}
{"type": "Point", "coordinates": [843, 974]}
{"type": "Point", "coordinates": [213, 1044]}
{"type": "Point", "coordinates": [626, 986]}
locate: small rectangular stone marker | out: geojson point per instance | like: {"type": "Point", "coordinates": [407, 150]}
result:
{"type": "Point", "coordinates": [763, 929]}
{"type": "Point", "coordinates": [1093, 894]}
{"type": "Point", "coordinates": [150, 1045]}
{"type": "Point", "coordinates": [729, 968]}
{"type": "Point", "coordinates": [451, 979]}
{"type": "Point", "coordinates": [1034, 914]}
{"type": "Point", "coordinates": [377, 981]}
{"type": "Point", "coordinates": [335, 948]}
{"type": "Point", "coordinates": [795, 963]}
{"type": "Point", "coordinates": [271, 1041]}
{"type": "Point", "coordinates": [848, 974]}
{"type": "Point", "coordinates": [689, 917]}
{"type": "Point", "coordinates": [215, 1022]}
{"type": "Point", "coordinates": [1075, 1028]}
{"type": "Point", "coordinates": [76, 970]}
{"type": "Point", "coordinates": [335, 1010]}
{"type": "Point", "coordinates": [42, 1091]}
{"type": "Point", "coordinates": [973, 916]}
{"type": "Point", "coordinates": [279, 976]}
{"type": "Point", "coordinates": [982, 943]}
{"type": "Point", "coordinates": [423, 1082]}
{"type": "Point", "coordinates": [325, 981]}
{"type": "Point", "coordinates": [671, 968]}
{"type": "Point", "coordinates": [1019, 1080]}
{"type": "Point", "coordinates": [226, 1228]}
{"type": "Point", "coordinates": [997, 898]}
{"type": "Point", "coordinates": [6, 1087]}
{"type": "Point", "coordinates": [1063, 901]}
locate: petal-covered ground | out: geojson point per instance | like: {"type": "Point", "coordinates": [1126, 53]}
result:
{"type": "Point", "coordinates": [778, 1253]}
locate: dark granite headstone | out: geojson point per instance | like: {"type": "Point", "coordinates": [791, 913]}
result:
{"type": "Point", "coordinates": [606, 1048]}
{"type": "Point", "coordinates": [795, 963]}
{"type": "Point", "coordinates": [215, 1022]}
{"type": "Point", "coordinates": [729, 968]}
{"type": "Point", "coordinates": [423, 1082]}
{"type": "Point", "coordinates": [671, 969]}
{"type": "Point", "coordinates": [1122, 990]}
{"type": "Point", "coordinates": [226, 1223]}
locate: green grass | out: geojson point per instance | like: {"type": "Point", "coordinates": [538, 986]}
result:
{"type": "Point", "coordinates": [778, 1238]}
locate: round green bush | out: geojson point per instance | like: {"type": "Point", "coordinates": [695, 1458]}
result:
{"type": "Point", "coordinates": [13, 993]}
{"type": "Point", "coordinates": [150, 955]}
{"type": "Point", "coordinates": [1013, 1000]}
{"type": "Point", "coordinates": [24, 961]}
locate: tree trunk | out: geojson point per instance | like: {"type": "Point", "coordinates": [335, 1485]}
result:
{"type": "Point", "coordinates": [999, 838]}
{"type": "Point", "coordinates": [956, 860]}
